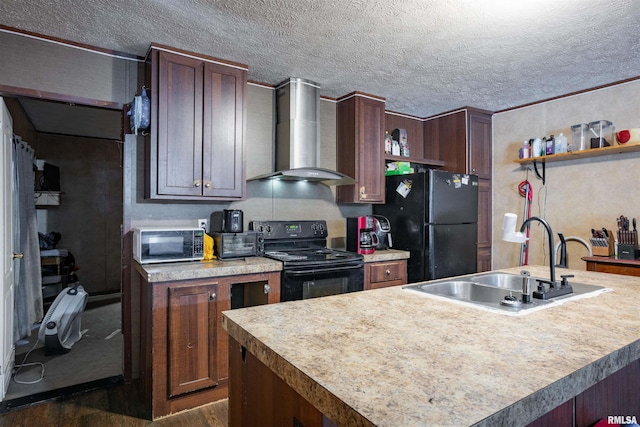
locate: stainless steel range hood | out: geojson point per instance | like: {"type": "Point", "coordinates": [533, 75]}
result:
{"type": "Point", "coordinates": [298, 135]}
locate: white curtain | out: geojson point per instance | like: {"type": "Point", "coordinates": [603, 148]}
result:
{"type": "Point", "coordinates": [28, 280]}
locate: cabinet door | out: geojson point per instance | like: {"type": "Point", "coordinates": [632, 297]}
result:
{"type": "Point", "coordinates": [484, 225]}
{"type": "Point", "coordinates": [192, 337]}
{"type": "Point", "coordinates": [615, 395]}
{"type": "Point", "coordinates": [179, 127]}
{"type": "Point", "coordinates": [479, 146]}
{"type": "Point", "coordinates": [445, 139]}
{"type": "Point", "coordinates": [371, 166]}
{"type": "Point", "coordinates": [360, 149]}
{"type": "Point", "coordinates": [223, 131]}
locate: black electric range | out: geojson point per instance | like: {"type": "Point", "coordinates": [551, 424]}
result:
{"type": "Point", "coordinates": [309, 268]}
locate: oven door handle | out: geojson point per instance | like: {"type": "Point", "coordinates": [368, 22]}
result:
{"type": "Point", "coordinates": [321, 270]}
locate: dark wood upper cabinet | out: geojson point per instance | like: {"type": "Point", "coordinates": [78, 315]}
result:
{"type": "Point", "coordinates": [360, 147]}
{"type": "Point", "coordinates": [445, 139]}
{"type": "Point", "coordinates": [462, 140]}
{"type": "Point", "coordinates": [198, 118]}
{"type": "Point", "coordinates": [479, 143]}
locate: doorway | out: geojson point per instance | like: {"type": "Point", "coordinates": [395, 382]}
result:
{"type": "Point", "coordinates": [84, 145]}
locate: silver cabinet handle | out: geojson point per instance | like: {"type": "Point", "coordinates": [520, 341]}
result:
{"type": "Point", "coordinates": [196, 184]}
{"type": "Point", "coordinates": [207, 185]}
{"type": "Point", "coordinates": [212, 296]}
{"type": "Point", "coordinates": [267, 288]}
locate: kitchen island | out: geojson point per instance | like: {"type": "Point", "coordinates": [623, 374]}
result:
{"type": "Point", "coordinates": [391, 357]}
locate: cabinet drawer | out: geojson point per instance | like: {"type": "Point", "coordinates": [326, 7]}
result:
{"type": "Point", "coordinates": [385, 273]}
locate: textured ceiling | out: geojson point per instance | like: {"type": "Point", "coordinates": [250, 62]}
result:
{"type": "Point", "coordinates": [423, 56]}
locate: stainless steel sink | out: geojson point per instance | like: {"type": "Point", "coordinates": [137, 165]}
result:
{"type": "Point", "coordinates": [488, 290]}
{"type": "Point", "coordinates": [501, 280]}
{"type": "Point", "coordinates": [468, 291]}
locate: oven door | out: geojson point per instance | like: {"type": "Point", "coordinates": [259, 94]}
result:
{"type": "Point", "coordinates": [312, 282]}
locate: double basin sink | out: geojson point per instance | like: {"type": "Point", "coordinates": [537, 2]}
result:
{"type": "Point", "coordinates": [497, 291]}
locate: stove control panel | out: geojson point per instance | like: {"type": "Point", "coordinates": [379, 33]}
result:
{"type": "Point", "coordinates": [303, 229]}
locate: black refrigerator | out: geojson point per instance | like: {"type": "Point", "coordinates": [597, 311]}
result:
{"type": "Point", "coordinates": [434, 216]}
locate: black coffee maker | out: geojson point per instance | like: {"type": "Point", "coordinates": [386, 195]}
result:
{"type": "Point", "coordinates": [383, 230]}
{"type": "Point", "coordinates": [226, 221]}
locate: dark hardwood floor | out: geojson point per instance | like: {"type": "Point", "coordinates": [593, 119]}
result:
{"type": "Point", "coordinates": [116, 405]}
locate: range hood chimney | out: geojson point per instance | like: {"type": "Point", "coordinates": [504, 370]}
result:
{"type": "Point", "coordinates": [298, 135]}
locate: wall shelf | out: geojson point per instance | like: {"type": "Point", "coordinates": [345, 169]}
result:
{"type": "Point", "coordinates": [429, 162]}
{"type": "Point", "coordinates": [47, 198]}
{"type": "Point", "coordinates": [593, 152]}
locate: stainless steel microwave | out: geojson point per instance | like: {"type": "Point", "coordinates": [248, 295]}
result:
{"type": "Point", "coordinates": [167, 244]}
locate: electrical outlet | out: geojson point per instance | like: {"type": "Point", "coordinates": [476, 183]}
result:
{"type": "Point", "coordinates": [203, 223]}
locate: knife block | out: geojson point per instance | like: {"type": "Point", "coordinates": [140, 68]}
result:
{"type": "Point", "coordinates": [608, 250]}
{"type": "Point", "coordinates": [627, 251]}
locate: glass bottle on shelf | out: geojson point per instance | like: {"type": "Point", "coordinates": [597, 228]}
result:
{"type": "Point", "coordinates": [395, 148]}
{"type": "Point", "coordinates": [387, 142]}
{"type": "Point", "coordinates": [404, 149]}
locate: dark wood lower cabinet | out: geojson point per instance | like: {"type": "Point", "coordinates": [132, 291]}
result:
{"type": "Point", "coordinates": [192, 337]}
{"type": "Point", "coordinates": [267, 401]}
{"type": "Point", "coordinates": [385, 273]}
{"type": "Point", "coordinates": [562, 416]}
{"type": "Point", "coordinates": [184, 348]}
{"type": "Point", "coordinates": [616, 395]}
{"type": "Point", "coordinates": [184, 358]}
{"type": "Point", "coordinates": [627, 267]}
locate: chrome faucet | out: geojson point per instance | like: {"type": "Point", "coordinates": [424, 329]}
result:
{"type": "Point", "coordinates": [552, 258]}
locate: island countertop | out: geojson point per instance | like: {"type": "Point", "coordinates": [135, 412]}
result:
{"type": "Point", "coordinates": [389, 357]}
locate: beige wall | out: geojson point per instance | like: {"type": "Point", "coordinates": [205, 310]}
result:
{"type": "Point", "coordinates": [52, 67]}
{"type": "Point", "coordinates": [579, 194]}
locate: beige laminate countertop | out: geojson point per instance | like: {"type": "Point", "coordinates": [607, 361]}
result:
{"type": "Point", "coordinates": [386, 255]}
{"type": "Point", "coordinates": [166, 272]}
{"type": "Point", "coordinates": [387, 357]}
